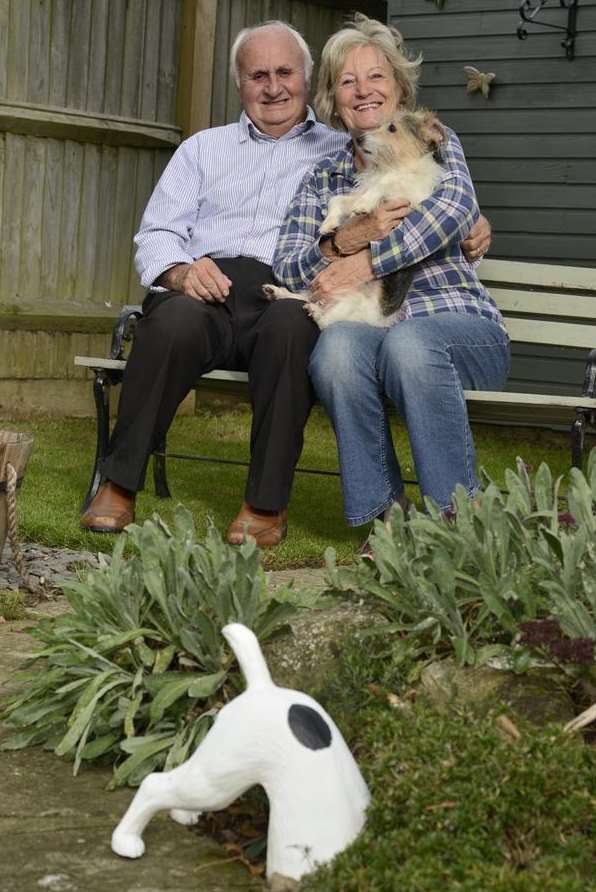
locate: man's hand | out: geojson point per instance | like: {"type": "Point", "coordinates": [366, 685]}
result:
{"type": "Point", "coordinates": [478, 241]}
{"type": "Point", "coordinates": [202, 280]}
{"type": "Point", "coordinates": [344, 273]}
{"type": "Point", "coordinates": [358, 232]}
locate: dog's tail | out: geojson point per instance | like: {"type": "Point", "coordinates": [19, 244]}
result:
{"type": "Point", "coordinates": [248, 652]}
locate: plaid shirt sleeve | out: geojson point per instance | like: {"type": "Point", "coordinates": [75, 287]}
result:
{"type": "Point", "coordinates": [447, 215]}
{"type": "Point", "coordinates": [298, 257]}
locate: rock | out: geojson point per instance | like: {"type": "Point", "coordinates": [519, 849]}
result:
{"type": "Point", "coordinates": [537, 695]}
{"type": "Point", "coordinates": [304, 658]}
{"type": "Point", "coordinates": [278, 883]}
{"type": "Point", "coordinates": [53, 565]}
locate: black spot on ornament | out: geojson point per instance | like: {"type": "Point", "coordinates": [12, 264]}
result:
{"type": "Point", "coordinates": [309, 727]}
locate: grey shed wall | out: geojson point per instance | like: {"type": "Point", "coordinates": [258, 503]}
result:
{"type": "Point", "coordinates": [531, 146]}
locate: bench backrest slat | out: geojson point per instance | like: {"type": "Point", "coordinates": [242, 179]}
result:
{"type": "Point", "coordinates": [545, 303]}
{"type": "Point", "coordinates": [512, 285]}
{"type": "Point", "coordinates": [538, 274]}
{"type": "Point", "coordinates": [564, 334]}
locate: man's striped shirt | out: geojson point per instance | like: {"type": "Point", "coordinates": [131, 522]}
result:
{"type": "Point", "coordinates": [225, 193]}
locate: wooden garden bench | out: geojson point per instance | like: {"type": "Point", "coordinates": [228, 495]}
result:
{"type": "Point", "coordinates": [542, 305]}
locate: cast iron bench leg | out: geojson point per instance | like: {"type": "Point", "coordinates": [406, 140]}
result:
{"type": "Point", "coordinates": [578, 432]}
{"type": "Point", "coordinates": [160, 480]}
{"type": "Point", "coordinates": [101, 393]}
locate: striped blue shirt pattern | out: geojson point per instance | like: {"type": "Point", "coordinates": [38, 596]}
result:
{"type": "Point", "coordinates": [225, 193]}
{"type": "Point", "coordinates": [429, 237]}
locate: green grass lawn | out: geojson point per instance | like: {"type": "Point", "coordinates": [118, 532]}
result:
{"type": "Point", "coordinates": [60, 465]}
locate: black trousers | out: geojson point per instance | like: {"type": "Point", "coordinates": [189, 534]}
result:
{"type": "Point", "coordinates": [179, 338]}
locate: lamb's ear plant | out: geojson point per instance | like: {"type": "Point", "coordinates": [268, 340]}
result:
{"type": "Point", "coordinates": [135, 671]}
{"type": "Point", "coordinates": [464, 585]}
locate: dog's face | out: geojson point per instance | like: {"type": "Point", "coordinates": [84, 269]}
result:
{"type": "Point", "coordinates": [407, 137]}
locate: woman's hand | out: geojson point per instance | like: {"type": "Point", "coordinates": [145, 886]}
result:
{"type": "Point", "coordinates": [345, 272]}
{"type": "Point", "coordinates": [360, 231]}
{"type": "Point", "coordinates": [478, 241]}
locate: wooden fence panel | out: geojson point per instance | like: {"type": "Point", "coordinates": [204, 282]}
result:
{"type": "Point", "coordinates": [87, 116]}
{"type": "Point", "coordinates": [4, 20]}
{"type": "Point", "coordinates": [116, 57]}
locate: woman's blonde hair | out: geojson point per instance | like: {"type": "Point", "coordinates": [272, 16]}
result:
{"type": "Point", "coordinates": [362, 31]}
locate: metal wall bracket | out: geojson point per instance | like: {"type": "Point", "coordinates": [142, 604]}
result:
{"type": "Point", "coordinates": [530, 9]}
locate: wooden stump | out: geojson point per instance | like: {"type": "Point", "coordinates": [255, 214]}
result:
{"type": "Point", "coordinates": [14, 450]}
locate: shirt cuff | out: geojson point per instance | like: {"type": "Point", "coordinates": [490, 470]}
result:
{"type": "Point", "coordinates": [378, 251]}
{"type": "Point", "coordinates": [312, 260]}
{"type": "Point", "coordinates": [152, 272]}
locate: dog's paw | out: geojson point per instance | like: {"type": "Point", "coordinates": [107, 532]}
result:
{"type": "Point", "coordinates": [181, 816]}
{"type": "Point", "coordinates": [327, 226]}
{"type": "Point", "coordinates": [314, 310]}
{"type": "Point", "coordinates": [359, 209]}
{"type": "Point", "coordinates": [270, 291]}
{"type": "Point", "coordinates": [127, 845]}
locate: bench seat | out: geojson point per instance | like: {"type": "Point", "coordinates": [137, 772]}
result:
{"type": "Point", "coordinates": [542, 304]}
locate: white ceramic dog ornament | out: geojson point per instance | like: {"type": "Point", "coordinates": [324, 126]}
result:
{"type": "Point", "coordinates": [275, 737]}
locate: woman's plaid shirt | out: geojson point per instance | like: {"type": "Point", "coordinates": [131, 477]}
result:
{"type": "Point", "coordinates": [429, 237]}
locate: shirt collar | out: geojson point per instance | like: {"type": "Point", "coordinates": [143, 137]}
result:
{"type": "Point", "coordinates": [248, 130]}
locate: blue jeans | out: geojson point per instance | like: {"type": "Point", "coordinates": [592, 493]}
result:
{"type": "Point", "coordinates": [423, 365]}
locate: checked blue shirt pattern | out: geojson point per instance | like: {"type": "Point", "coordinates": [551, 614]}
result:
{"type": "Point", "coordinates": [429, 237]}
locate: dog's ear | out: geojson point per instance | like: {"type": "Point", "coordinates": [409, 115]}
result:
{"type": "Point", "coordinates": [431, 130]}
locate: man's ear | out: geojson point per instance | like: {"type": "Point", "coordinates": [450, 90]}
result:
{"type": "Point", "coordinates": [431, 129]}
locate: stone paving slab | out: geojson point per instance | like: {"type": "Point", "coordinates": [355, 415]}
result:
{"type": "Point", "coordinates": [56, 829]}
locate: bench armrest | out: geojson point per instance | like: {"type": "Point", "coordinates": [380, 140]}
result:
{"type": "Point", "coordinates": [123, 329]}
{"type": "Point", "coordinates": [589, 388]}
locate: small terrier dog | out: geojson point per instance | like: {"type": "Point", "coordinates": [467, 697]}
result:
{"type": "Point", "coordinates": [276, 737]}
{"type": "Point", "coordinates": [400, 163]}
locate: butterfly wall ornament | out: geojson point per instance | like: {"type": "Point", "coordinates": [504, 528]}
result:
{"type": "Point", "coordinates": [478, 80]}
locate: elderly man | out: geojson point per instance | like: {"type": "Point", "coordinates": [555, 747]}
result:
{"type": "Point", "coordinates": [204, 250]}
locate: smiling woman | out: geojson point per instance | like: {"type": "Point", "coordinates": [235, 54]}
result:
{"type": "Point", "coordinates": [447, 334]}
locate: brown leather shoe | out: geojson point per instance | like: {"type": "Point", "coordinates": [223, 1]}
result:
{"type": "Point", "coordinates": [265, 528]}
{"type": "Point", "coordinates": [111, 509]}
